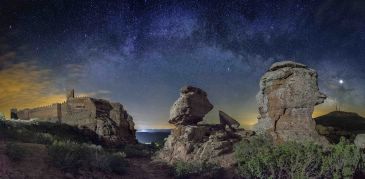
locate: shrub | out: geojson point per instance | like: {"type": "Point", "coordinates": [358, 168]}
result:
{"type": "Point", "coordinates": [45, 132]}
{"type": "Point", "coordinates": [260, 158]}
{"type": "Point", "coordinates": [343, 160]}
{"type": "Point", "coordinates": [113, 163]}
{"type": "Point", "coordinates": [69, 155]}
{"type": "Point", "coordinates": [72, 156]}
{"type": "Point", "coordinates": [138, 150]}
{"type": "Point", "coordinates": [2, 116]}
{"type": "Point", "coordinates": [15, 152]}
{"type": "Point", "coordinates": [188, 169]}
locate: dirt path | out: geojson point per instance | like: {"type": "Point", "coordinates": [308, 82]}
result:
{"type": "Point", "coordinates": [144, 168]}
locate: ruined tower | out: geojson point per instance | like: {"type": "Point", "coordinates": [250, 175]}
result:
{"type": "Point", "coordinates": [13, 113]}
{"type": "Point", "coordinates": [70, 94]}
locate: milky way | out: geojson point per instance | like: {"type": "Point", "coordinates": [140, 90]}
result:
{"type": "Point", "coordinates": [140, 53]}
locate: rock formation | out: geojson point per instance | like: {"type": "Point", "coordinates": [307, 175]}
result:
{"type": "Point", "coordinates": [360, 141]}
{"type": "Point", "coordinates": [194, 142]}
{"type": "Point", "coordinates": [191, 107]}
{"type": "Point", "coordinates": [109, 121]}
{"type": "Point", "coordinates": [227, 120]}
{"type": "Point", "coordinates": [288, 94]}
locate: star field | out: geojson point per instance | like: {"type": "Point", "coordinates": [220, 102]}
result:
{"type": "Point", "coordinates": [140, 53]}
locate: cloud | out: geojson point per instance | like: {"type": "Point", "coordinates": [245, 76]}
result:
{"type": "Point", "coordinates": [25, 85]}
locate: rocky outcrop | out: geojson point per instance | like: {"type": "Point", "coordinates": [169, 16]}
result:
{"type": "Point", "coordinates": [190, 107]}
{"type": "Point", "coordinates": [202, 143]}
{"type": "Point", "coordinates": [288, 94]}
{"type": "Point", "coordinates": [194, 142]}
{"type": "Point", "coordinates": [360, 141]}
{"type": "Point", "coordinates": [227, 120]}
{"type": "Point", "coordinates": [109, 121]}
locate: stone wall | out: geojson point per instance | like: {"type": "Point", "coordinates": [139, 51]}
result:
{"type": "Point", "coordinates": [78, 111]}
{"type": "Point", "coordinates": [45, 113]}
{"type": "Point", "coordinates": [110, 121]}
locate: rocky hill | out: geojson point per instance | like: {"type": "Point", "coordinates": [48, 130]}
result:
{"type": "Point", "coordinates": [339, 123]}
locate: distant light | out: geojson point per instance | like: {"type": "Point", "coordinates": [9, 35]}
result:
{"type": "Point", "coordinates": [340, 81]}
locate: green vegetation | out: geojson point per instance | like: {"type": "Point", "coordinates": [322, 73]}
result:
{"type": "Point", "coordinates": [337, 124]}
{"type": "Point", "coordinates": [44, 132]}
{"type": "Point", "coordinates": [138, 150]}
{"type": "Point", "coordinates": [2, 116]}
{"type": "Point", "coordinates": [70, 156]}
{"type": "Point", "coordinates": [15, 152]}
{"type": "Point", "coordinates": [189, 169]}
{"type": "Point", "coordinates": [259, 158]}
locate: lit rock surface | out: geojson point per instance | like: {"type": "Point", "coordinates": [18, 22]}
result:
{"type": "Point", "coordinates": [225, 119]}
{"type": "Point", "coordinates": [192, 142]}
{"type": "Point", "coordinates": [202, 143]}
{"type": "Point", "coordinates": [288, 94]}
{"type": "Point", "coordinates": [109, 121]}
{"type": "Point", "coordinates": [360, 141]}
{"type": "Point", "coordinates": [190, 107]}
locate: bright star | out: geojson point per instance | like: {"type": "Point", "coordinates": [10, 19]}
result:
{"type": "Point", "coordinates": [340, 81]}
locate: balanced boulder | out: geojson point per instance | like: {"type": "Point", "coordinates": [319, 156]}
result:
{"type": "Point", "coordinates": [192, 142]}
{"type": "Point", "coordinates": [190, 107]}
{"type": "Point", "coordinates": [288, 94]}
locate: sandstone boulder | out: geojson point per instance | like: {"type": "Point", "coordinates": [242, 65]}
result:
{"type": "Point", "coordinates": [227, 120]}
{"type": "Point", "coordinates": [286, 100]}
{"type": "Point", "coordinates": [192, 142]}
{"type": "Point", "coordinates": [190, 107]}
{"type": "Point", "coordinates": [360, 141]}
{"type": "Point", "coordinates": [201, 143]}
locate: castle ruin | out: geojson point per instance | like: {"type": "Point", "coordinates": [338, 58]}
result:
{"type": "Point", "coordinates": [108, 120]}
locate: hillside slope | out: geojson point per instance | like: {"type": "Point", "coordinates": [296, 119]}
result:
{"type": "Point", "coordinates": [337, 124]}
{"type": "Point", "coordinates": [347, 121]}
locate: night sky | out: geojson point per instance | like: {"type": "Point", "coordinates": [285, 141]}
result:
{"type": "Point", "coordinates": [140, 53]}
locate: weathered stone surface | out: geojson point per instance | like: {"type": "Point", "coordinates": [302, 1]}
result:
{"type": "Point", "coordinates": [110, 121]}
{"type": "Point", "coordinates": [360, 141]}
{"type": "Point", "coordinates": [192, 142]}
{"type": "Point", "coordinates": [288, 94]}
{"type": "Point", "coordinates": [190, 107]}
{"type": "Point", "coordinates": [201, 143]}
{"type": "Point", "coordinates": [227, 120]}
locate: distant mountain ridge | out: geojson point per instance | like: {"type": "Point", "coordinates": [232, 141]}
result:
{"type": "Point", "coordinates": [337, 124]}
{"type": "Point", "coordinates": [347, 121]}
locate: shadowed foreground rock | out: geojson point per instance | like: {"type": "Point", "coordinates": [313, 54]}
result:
{"type": "Point", "coordinates": [288, 94]}
{"type": "Point", "coordinates": [192, 142]}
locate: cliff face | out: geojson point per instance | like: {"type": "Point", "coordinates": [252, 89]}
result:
{"type": "Point", "coordinates": [108, 120]}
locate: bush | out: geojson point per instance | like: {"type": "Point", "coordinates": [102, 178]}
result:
{"type": "Point", "coordinates": [70, 156]}
{"type": "Point", "coordinates": [138, 150]}
{"type": "Point", "coordinates": [113, 163]}
{"type": "Point", "coordinates": [188, 169]}
{"type": "Point", "coordinates": [45, 132]}
{"type": "Point", "coordinates": [2, 116]}
{"type": "Point", "coordinates": [15, 152]}
{"type": "Point", "coordinates": [260, 158]}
